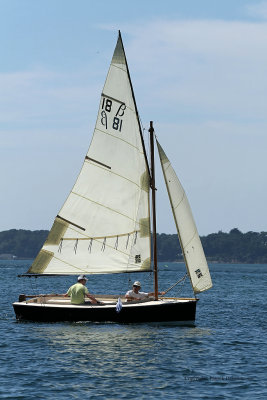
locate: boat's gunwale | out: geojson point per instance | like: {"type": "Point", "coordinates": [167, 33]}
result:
{"type": "Point", "coordinates": [170, 300]}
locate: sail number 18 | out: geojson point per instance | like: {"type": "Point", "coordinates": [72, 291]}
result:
{"type": "Point", "coordinates": [106, 108]}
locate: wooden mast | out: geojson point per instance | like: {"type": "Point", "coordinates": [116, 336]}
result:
{"type": "Point", "coordinates": [152, 185]}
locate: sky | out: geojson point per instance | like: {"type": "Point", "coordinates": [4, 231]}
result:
{"type": "Point", "coordinates": [199, 72]}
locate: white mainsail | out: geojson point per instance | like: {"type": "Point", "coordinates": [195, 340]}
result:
{"type": "Point", "coordinates": [195, 259]}
{"type": "Point", "coordinates": [104, 225]}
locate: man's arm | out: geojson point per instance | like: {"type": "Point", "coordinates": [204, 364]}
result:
{"type": "Point", "coordinates": [94, 301]}
{"type": "Point", "coordinates": [67, 294]}
{"type": "Point", "coordinates": [130, 298]}
{"type": "Point", "coordinates": [153, 293]}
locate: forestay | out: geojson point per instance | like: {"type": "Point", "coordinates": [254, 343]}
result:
{"type": "Point", "coordinates": [104, 225]}
{"type": "Point", "coordinates": [194, 256]}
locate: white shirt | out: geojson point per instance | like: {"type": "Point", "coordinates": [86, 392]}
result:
{"type": "Point", "coordinates": [139, 295]}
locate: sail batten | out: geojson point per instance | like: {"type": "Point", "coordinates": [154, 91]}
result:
{"type": "Point", "coordinates": [97, 162]}
{"type": "Point", "coordinates": [112, 98]}
{"type": "Point", "coordinates": [193, 253]}
{"type": "Point", "coordinates": [110, 198]}
{"type": "Point", "coordinates": [72, 223]}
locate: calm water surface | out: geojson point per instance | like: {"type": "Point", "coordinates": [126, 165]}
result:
{"type": "Point", "coordinates": [222, 357]}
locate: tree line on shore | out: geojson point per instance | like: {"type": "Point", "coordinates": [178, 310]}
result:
{"type": "Point", "coordinates": [234, 247]}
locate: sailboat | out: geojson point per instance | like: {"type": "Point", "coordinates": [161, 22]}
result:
{"type": "Point", "coordinates": [104, 226]}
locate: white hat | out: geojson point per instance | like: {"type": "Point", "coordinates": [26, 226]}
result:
{"type": "Point", "coordinates": [82, 277]}
{"type": "Point", "coordinates": [137, 283]}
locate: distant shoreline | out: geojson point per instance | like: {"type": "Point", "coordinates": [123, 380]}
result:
{"type": "Point", "coordinates": [234, 247]}
{"type": "Point", "coordinates": [160, 262]}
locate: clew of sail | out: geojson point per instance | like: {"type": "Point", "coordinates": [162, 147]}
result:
{"type": "Point", "coordinates": [104, 224]}
{"type": "Point", "coordinates": [194, 256]}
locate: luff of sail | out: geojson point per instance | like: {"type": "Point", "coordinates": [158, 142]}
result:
{"type": "Point", "coordinates": [195, 259]}
{"type": "Point", "coordinates": [104, 224]}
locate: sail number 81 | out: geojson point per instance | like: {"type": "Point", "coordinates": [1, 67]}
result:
{"type": "Point", "coordinates": [117, 123]}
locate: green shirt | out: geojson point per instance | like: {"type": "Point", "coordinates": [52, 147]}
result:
{"type": "Point", "coordinates": [77, 292]}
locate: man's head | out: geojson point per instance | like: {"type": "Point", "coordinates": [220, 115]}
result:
{"type": "Point", "coordinates": [82, 279]}
{"type": "Point", "coordinates": [136, 286]}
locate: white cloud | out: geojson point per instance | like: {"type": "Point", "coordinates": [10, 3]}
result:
{"type": "Point", "coordinates": [258, 10]}
{"type": "Point", "coordinates": [39, 96]}
{"type": "Point", "coordinates": [215, 66]}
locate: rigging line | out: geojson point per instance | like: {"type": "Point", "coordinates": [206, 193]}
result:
{"type": "Point", "coordinates": [90, 245]}
{"type": "Point", "coordinates": [101, 237]}
{"type": "Point", "coordinates": [104, 245]}
{"type": "Point", "coordinates": [176, 283]}
{"type": "Point", "coordinates": [80, 233]}
{"type": "Point", "coordinates": [60, 245]}
{"type": "Point", "coordinates": [135, 238]}
{"type": "Point", "coordinates": [75, 246]}
{"type": "Point", "coordinates": [127, 241]}
{"type": "Point", "coordinates": [116, 243]}
{"type": "Point", "coordinates": [33, 286]}
{"type": "Point", "coordinates": [181, 288]}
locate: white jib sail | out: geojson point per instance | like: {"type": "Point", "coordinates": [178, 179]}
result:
{"type": "Point", "coordinates": [104, 225]}
{"type": "Point", "coordinates": [195, 259]}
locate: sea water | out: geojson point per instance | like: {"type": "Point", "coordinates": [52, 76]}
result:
{"type": "Point", "coordinates": [222, 357]}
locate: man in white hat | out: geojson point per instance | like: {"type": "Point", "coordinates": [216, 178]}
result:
{"type": "Point", "coordinates": [79, 290]}
{"type": "Point", "coordinates": [135, 293]}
